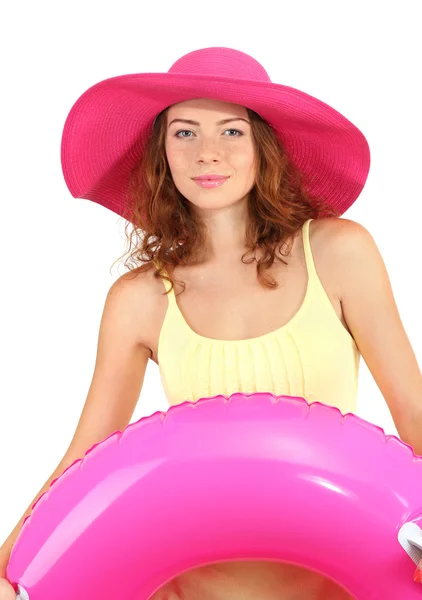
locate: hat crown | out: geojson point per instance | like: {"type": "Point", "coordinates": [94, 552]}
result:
{"type": "Point", "coordinates": [220, 62]}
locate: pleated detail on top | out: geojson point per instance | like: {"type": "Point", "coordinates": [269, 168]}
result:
{"type": "Point", "coordinates": [313, 356]}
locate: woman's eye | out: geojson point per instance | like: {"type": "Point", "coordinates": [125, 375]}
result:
{"type": "Point", "coordinates": [236, 130]}
{"type": "Point", "coordinates": [187, 133]}
{"type": "Point", "coordinates": [183, 131]}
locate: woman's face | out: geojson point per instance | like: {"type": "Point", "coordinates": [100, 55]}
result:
{"type": "Point", "coordinates": [210, 137]}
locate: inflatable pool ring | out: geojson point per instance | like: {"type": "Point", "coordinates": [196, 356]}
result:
{"type": "Point", "coordinates": [254, 476]}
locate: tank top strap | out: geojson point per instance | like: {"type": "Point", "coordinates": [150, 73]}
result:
{"type": "Point", "coordinates": [310, 264]}
{"type": "Point", "coordinates": [171, 295]}
{"type": "Point", "coordinates": [167, 285]}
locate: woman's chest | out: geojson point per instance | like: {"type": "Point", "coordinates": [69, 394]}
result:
{"type": "Point", "coordinates": [235, 306]}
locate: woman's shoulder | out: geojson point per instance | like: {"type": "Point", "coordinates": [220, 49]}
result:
{"type": "Point", "coordinates": [338, 244]}
{"type": "Point", "coordinates": [335, 233]}
{"type": "Point", "coordinates": [135, 280]}
{"type": "Point", "coordinates": [138, 293]}
{"type": "Point", "coordinates": [333, 226]}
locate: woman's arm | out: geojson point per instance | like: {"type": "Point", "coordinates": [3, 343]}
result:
{"type": "Point", "coordinates": [116, 383]}
{"type": "Point", "coordinates": [372, 316]}
{"type": "Point", "coordinates": [120, 366]}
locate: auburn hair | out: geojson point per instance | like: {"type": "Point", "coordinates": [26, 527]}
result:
{"type": "Point", "coordinates": [166, 232]}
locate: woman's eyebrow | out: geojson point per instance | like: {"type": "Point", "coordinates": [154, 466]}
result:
{"type": "Point", "coordinates": [223, 122]}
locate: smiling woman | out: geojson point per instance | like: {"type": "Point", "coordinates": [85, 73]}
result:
{"type": "Point", "coordinates": [211, 155]}
{"type": "Point", "coordinates": [262, 187]}
{"type": "Point", "coordinates": [278, 294]}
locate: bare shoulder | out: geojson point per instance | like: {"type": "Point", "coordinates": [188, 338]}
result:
{"type": "Point", "coordinates": [345, 247]}
{"type": "Point", "coordinates": [340, 238]}
{"type": "Point", "coordinates": [337, 228]}
{"type": "Point", "coordinates": [136, 293]}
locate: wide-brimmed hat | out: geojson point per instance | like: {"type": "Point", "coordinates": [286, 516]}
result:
{"type": "Point", "coordinates": [107, 128]}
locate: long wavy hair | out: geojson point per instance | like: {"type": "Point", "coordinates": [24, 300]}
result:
{"type": "Point", "coordinates": [165, 232]}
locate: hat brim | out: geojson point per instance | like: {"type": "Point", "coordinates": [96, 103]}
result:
{"type": "Point", "coordinates": [107, 128]}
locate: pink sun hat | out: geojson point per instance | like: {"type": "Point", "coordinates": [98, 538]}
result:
{"type": "Point", "coordinates": [107, 128]}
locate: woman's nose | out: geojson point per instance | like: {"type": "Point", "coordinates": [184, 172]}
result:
{"type": "Point", "coordinates": [208, 152]}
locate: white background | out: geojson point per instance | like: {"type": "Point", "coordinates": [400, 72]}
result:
{"type": "Point", "coordinates": [57, 251]}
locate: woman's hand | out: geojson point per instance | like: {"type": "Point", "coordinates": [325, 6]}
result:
{"type": "Point", "coordinates": [7, 591]}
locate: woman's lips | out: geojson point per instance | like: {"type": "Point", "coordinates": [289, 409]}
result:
{"type": "Point", "coordinates": [210, 183]}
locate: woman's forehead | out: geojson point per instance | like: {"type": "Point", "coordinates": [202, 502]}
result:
{"type": "Point", "coordinates": [207, 106]}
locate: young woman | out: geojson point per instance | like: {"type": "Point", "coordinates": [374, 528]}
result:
{"type": "Point", "coordinates": [242, 275]}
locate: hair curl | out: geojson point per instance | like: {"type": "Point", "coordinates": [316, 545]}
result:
{"type": "Point", "coordinates": [166, 232]}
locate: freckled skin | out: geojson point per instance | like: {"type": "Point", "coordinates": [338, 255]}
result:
{"type": "Point", "coordinates": [210, 148]}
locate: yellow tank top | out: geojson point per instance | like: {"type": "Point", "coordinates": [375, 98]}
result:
{"type": "Point", "coordinates": [313, 356]}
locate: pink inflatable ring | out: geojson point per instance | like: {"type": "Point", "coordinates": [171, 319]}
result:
{"type": "Point", "coordinates": [250, 477]}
